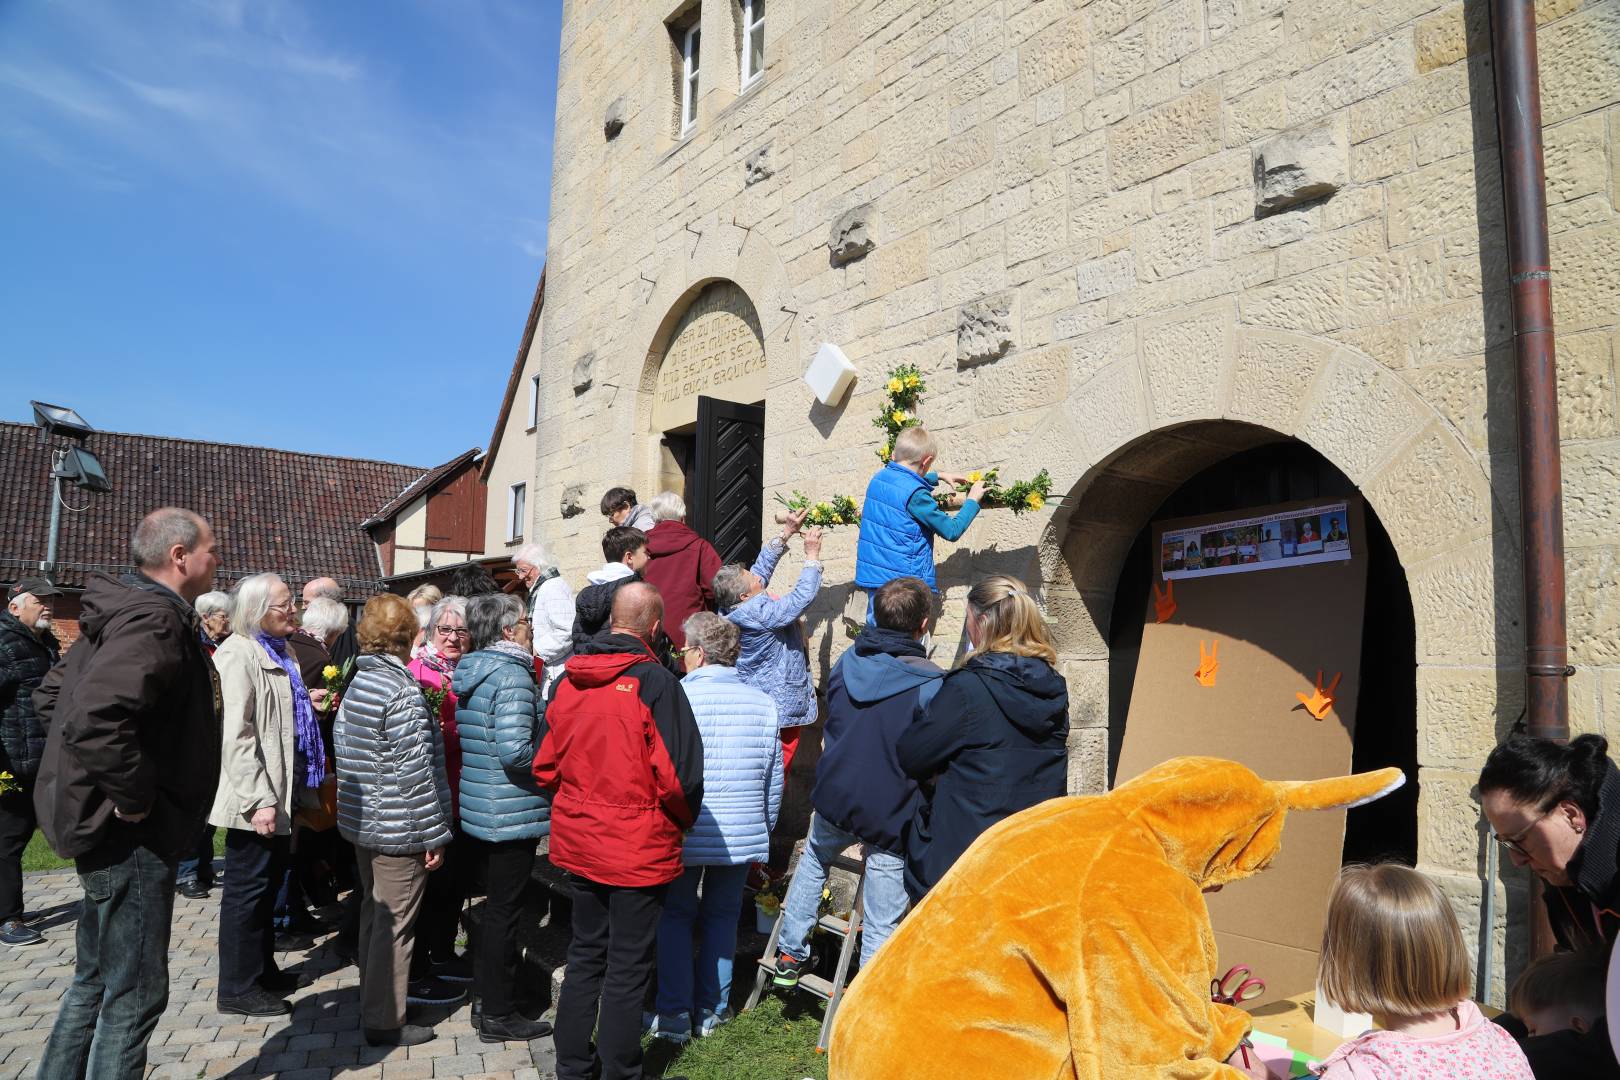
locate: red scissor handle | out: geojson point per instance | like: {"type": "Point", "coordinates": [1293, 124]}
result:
{"type": "Point", "coordinates": [1247, 988]}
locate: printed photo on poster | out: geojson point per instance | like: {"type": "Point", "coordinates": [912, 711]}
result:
{"type": "Point", "coordinates": [1288, 538]}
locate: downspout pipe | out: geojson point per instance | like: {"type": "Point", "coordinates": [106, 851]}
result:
{"type": "Point", "coordinates": [1524, 198]}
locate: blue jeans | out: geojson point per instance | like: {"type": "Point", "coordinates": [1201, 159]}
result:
{"type": "Point", "coordinates": [198, 865]}
{"type": "Point", "coordinates": [714, 918]}
{"type": "Point", "coordinates": [883, 901]}
{"type": "Point", "coordinates": [121, 978]}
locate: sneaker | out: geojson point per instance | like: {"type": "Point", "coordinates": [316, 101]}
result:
{"type": "Point", "coordinates": [708, 1021]}
{"type": "Point", "coordinates": [457, 969]}
{"type": "Point", "coordinates": [256, 1002]}
{"type": "Point", "coordinates": [513, 1027]}
{"type": "Point", "coordinates": [16, 934]}
{"type": "Point", "coordinates": [431, 991]}
{"type": "Point", "coordinates": [671, 1027]}
{"type": "Point", "coordinates": [192, 889]}
{"type": "Point", "coordinates": [408, 1035]}
{"type": "Point", "coordinates": [788, 971]}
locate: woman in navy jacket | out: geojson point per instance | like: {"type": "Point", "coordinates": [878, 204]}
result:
{"type": "Point", "coordinates": [994, 737]}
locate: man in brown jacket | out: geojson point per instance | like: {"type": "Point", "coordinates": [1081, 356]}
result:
{"type": "Point", "coordinates": [129, 769]}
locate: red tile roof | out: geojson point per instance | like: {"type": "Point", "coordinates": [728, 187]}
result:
{"type": "Point", "coordinates": [296, 514]}
{"type": "Point", "coordinates": [424, 485]}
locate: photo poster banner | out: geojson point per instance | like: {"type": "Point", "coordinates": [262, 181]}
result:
{"type": "Point", "coordinates": [1316, 533]}
{"type": "Point", "coordinates": [1272, 632]}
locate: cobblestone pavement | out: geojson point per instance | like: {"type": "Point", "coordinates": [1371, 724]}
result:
{"type": "Point", "coordinates": [321, 1039]}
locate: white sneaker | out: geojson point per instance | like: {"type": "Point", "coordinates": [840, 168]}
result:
{"type": "Point", "coordinates": [708, 1021]}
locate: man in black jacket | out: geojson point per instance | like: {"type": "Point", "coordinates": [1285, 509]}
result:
{"type": "Point", "coordinates": [28, 648]}
{"type": "Point", "coordinates": [130, 766]}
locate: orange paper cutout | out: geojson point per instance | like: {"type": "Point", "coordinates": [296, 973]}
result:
{"type": "Point", "coordinates": [1164, 603]}
{"type": "Point", "coordinates": [1207, 663]}
{"type": "Point", "coordinates": [1319, 702]}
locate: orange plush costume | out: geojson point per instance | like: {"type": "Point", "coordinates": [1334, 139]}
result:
{"type": "Point", "coordinates": [1071, 941]}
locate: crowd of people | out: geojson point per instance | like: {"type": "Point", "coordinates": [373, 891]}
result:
{"type": "Point", "coordinates": [643, 726]}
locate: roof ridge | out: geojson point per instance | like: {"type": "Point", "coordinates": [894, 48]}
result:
{"type": "Point", "coordinates": [240, 446]}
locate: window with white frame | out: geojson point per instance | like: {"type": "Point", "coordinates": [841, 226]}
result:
{"type": "Point", "coordinates": [691, 42]}
{"type": "Point", "coordinates": [534, 400]}
{"type": "Point", "coordinates": [753, 40]}
{"type": "Point", "coordinates": [516, 508]}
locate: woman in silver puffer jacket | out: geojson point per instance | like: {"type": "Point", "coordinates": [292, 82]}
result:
{"type": "Point", "coordinates": [393, 805]}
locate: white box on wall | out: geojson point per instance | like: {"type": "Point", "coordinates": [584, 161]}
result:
{"type": "Point", "coordinates": [830, 374]}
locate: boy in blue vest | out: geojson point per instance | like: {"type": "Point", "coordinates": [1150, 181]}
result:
{"type": "Point", "coordinates": [877, 689]}
{"type": "Point", "coordinates": [900, 518]}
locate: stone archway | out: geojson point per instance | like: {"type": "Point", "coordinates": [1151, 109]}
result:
{"type": "Point", "coordinates": [1156, 402]}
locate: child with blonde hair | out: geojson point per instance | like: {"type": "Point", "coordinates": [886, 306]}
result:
{"type": "Point", "coordinates": [1392, 948]}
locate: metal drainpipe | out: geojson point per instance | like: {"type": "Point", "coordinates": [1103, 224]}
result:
{"type": "Point", "coordinates": [1524, 197]}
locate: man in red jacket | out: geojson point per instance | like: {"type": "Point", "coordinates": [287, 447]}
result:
{"type": "Point", "coordinates": [680, 563]}
{"type": "Point", "coordinates": [623, 758]}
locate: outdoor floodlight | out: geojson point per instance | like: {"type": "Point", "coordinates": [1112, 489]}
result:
{"type": "Point", "coordinates": [61, 420]}
{"type": "Point", "coordinates": [83, 469]}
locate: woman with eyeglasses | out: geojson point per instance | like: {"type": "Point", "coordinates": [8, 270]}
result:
{"type": "Point", "coordinates": [503, 811]}
{"type": "Point", "coordinates": [1556, 809]}
{"type": "Point", "coordinates": [435, 960]}
{"type": "Point", "coordinates": [272, 757]}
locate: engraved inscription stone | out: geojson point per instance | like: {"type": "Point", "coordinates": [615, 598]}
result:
{"type": "Point", "coordinates": [716, 350]}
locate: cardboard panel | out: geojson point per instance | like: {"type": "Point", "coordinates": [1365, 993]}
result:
{"type": "Point", "coordinates": [1275, 626]}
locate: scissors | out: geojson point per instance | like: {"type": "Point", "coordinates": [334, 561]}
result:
{"type": "Point", "coordinates": [1247, 989]}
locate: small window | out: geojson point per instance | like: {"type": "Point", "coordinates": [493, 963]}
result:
{"type": "Point", "coordinates": [690, 45]}
{"type": "Point", "coordinates": [753, 40]}
{"type": "Point", "coordinates": [534, 401]}
{"type": "Point", "coordinates": [516, 509]}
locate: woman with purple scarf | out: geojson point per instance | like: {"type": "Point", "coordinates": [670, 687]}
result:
{"type": "Point", "coordinates": [272, 759]}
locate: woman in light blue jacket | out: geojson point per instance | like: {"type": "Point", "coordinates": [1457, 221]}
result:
{"type": "Point", "coordinates": [742, 791]}
{"type": "Point", "coordinates": [772, 654]}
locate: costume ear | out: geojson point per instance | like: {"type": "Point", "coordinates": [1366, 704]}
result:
{"type": "Point", "coordinates": [1339, 792]}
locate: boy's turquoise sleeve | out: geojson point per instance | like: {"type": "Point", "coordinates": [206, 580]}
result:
{"type": "Point", "coordinates": [928, 514]}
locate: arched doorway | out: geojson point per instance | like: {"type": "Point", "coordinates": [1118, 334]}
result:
{"type": "Point", "coordinates": [708, 414]}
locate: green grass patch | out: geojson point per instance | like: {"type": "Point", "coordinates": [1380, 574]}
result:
{"type": "Point", "coordinates": [39, 856]}
{"type": "Point", "coordinates": [774, 1041]}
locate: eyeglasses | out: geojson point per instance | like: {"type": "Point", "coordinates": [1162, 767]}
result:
{"type": "Point", "coordinates": [287, 607]}
{"type": "Point", "coordinates": [1516, 843]}
{"type": "Point", "coordinates": [690, 648]}
{"type": "Point", "coordinates": [453, 631]}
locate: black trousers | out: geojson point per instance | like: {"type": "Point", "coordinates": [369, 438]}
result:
{"type": "Point", "coordinates": [441, 908]}
{"type": "Point", "coordinates": [507, 866]}
{"type": "Point", "coordinates": [610, 965]}
{"type": "Point", "coordinates": [254, 867]}
{"type": "Point", "coordinates": [16, 829]}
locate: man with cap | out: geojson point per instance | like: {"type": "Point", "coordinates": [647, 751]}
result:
{"type": "Point", "coordinates": [28, 648]}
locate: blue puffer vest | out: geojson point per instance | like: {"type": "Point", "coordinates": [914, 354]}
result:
{"type": "Point", "coordinates": [742, 770]}
{"type": "Point", "coordinates": [497, 714]}
{"type": "Point", "coordinates": [892, 544]}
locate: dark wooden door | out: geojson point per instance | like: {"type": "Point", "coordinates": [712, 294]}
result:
{"type": "Point", "coordinates": [727, 503]}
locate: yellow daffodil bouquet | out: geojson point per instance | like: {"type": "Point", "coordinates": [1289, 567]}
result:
{"type": "Point", "coordinates": [902, 392]}
{"type": "Point", "coordinates": [8, 783]}
{"type": "Point", "coordinates": [826, 514]}
{"type": "Point", "coordinates": [1022, 497]}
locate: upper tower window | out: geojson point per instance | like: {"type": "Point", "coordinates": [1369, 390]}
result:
{"type": "Point", "coordinates": [691, 42]}
{"type": "Point", "coordinates": [753, 40]}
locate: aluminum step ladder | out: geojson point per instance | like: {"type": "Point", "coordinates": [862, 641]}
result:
{"type": "Point", "coordinates": [832, 992]}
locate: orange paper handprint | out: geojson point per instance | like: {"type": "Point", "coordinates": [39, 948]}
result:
{"type": "Point", "coordinates": [1164, 603]}
{"type": "Point", "coordinates": [1319, 702]}
{"type": "Point", "coordinates": [1207, 663]}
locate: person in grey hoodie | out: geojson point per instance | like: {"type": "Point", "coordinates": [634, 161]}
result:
{"type": "Point", "coordinates": [992, 739]}
{"type": "Point", "coordinates": [393, 805]}
{"type": "Point", "coordinates": [875, 692]}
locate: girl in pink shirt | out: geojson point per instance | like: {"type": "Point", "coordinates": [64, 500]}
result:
{"type": "Point", "coordinates": [1392, 948]}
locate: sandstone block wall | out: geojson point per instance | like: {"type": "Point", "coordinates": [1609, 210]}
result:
{"type": "Point", "coordinates": [1087, 169]}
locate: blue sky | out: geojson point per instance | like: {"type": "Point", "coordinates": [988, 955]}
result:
{"type": "Point", "coordinates": [314, 225]}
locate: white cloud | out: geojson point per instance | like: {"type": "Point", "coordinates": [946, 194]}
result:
{"type": "Point", "coordinates": [259, 94]}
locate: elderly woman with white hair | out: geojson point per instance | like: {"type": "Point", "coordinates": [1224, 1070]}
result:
{"type": "Point", "coordinates": [551, 609]}
{"type": "Point", "coordinates": [680, 563]}
{"type": "Point", "coordinates": [214, 609]}
{"type": "Point", "coordinates": [272, 756]}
